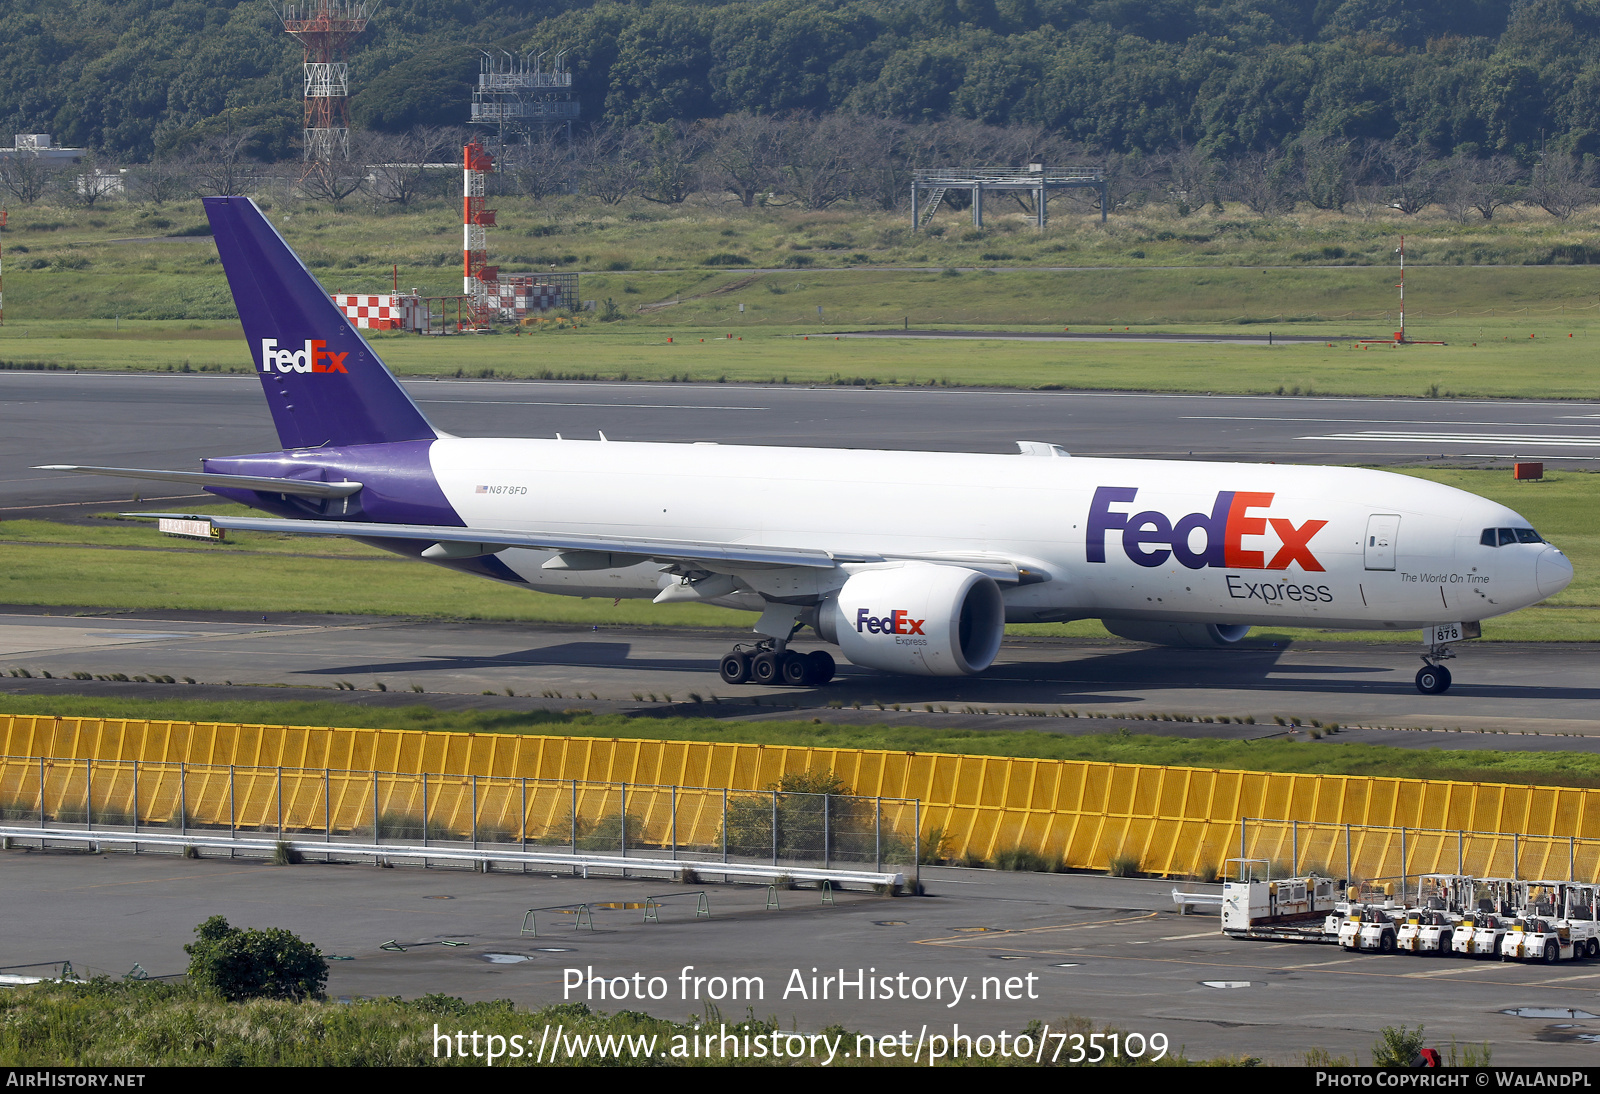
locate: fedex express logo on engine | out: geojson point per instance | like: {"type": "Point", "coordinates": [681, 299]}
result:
{"type": "Point", "coordinates": [313, 357]}
{"type": "Point", "coordinates": [896, 622]}
{"type": "Point", "coordinates": [1150, 538]}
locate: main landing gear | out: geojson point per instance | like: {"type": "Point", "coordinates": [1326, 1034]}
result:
{"type": "Point", "coordinates": [768, 663]}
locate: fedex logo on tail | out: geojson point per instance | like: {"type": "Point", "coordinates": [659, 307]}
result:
{"type": "Point", "coordinates": [313, 357]}
{"type": "Point", "coordinates": [1150, 538]}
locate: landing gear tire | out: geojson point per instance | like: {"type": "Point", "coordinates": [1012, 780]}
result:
{"type": "Point", "coordinates": [765, 668]}
{"type": "Point", "coordinates": [1433, 679]}
{"type": "Point", "coordinates": [735, 668]}
{"type": "Point", "coordinates": [821, 666]}
{"type": "Point", "coordinates": [796, 669]}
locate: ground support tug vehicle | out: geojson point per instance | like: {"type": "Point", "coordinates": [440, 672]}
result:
{"type": "Point", "coordinates": [1557, 925]}
{"type": "Point", "coordinates": [1370, 928]}
{"type": "Point", "coordinates": [1533, 938]}
{"type": "Point", "coordinates": [1574, 906]}
{"type": "Point", "coordinates": [1480, 934]}
{"type": "Point", "coordinates": [1496, 901]}
{"type": "Point", "coordinates": [1430, 925]}
{"type": "Point", "coordinates": [1427, 932]}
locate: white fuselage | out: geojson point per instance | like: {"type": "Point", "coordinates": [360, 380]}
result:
{"type": "Point", "coordinates": [1135, 539]}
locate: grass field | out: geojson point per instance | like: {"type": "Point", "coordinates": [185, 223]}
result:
{"type": "Point", "coordinates": [149, 1023]}
{"type": "Point", "coordinates": [107, 289]}
{"type": "Point", "coordinates": [1494, 358]}
{"type": "Point", "coordinates": [127, 564]}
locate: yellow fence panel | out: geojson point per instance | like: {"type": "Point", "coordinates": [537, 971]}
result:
{"type": "Point", "coordinates": [1175, 820]}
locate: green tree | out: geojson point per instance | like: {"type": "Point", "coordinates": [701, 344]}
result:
{"type": "Point", "coordinates": [240, 963]}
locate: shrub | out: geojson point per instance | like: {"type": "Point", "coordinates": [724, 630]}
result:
{"type": "Point", "coordinates": [608, 831]}
{"type": "Point", "coordinates": [243, 964]}
{"type": "Point", "coordinates": [849, 823]}
{"type": "Point", "coordinates": [1397, 1047]}
{"type": "Point", "coordinates": [1021, 858]}
{"type": "Point", "coordinates": [1123, 865]}
{"type": "Point", "coordinates": [933, 848]}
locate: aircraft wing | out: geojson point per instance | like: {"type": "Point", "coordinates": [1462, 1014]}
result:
{"type": "Point", "coordinates": [501, 538]}
{"type": "Point", "coordinates": [627, 550]}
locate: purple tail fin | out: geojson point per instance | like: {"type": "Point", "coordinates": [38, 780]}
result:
{"type": "Point", "coordinates": [323, 382]}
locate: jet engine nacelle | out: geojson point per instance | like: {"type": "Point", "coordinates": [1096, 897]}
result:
{"type": "Point", "coordinates": [920, 618]}
{"type": "Point", "coordinates": [1196, 635]}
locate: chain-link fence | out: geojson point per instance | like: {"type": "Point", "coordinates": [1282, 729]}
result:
{"type": "Point", "coordinates": [688, 823]}
{"type": "Point", "coordinates": [1365, 852]}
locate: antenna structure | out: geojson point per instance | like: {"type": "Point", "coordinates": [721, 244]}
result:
{"type": "Point", "coordinates": [325, 29]}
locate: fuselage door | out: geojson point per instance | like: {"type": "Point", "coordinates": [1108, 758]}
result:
{"type": "Point", "coordinates": [1383, 530]}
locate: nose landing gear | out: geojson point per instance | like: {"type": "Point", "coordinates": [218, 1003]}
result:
{"type": "Point", "coordinates": [771, 664]}
{"type": "Point", "coordinates": [1433, 678]}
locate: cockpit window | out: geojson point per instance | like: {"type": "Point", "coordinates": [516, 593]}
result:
{"type": "Point", "coordinates": [1499, 537]}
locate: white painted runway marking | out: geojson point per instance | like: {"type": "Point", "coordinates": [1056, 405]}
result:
{"type": "Point", "coordinates": [1359, 421]}
{"type": "Point", "coordinates": [1419, 437]}
{"type": "Point", "coordinates": [558, 402]}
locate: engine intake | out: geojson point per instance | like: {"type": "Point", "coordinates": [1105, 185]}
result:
{"type": "Point", "coordinates": [920, 617]}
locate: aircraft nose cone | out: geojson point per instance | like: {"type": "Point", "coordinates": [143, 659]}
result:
{"type": "Point", "coordinates": [1552, 573]}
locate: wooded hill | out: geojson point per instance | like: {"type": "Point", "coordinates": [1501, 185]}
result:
{"type": "Point", "coordinates": [1477, 77]}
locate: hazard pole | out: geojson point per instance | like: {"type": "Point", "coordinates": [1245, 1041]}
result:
{"type": "Point", "coordinates": [477, 275]}
{"type": "Point", "coordinates": [2, 271]}
{"type": "Point", "coordinates": [1401, 337]}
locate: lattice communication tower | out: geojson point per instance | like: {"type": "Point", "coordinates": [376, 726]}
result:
{"type": "Point", "coordinates": [325, 29]}
{"type": "Point", "coordinates": [516, 92]}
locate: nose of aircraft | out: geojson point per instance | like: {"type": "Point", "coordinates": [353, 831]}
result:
{"type": "Point", "coordinates": [1553, 572]}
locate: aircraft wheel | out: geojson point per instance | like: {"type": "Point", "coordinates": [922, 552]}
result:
{"type": "Point", "coordinates": [765, 668]}
{"type": "Point", "coordinates": [1433, 679]}
{"type": "Point", "coordinates": [1552, 953]}
{"type": "Point", "coordinates": [735, 668]}
{"type": "Point", "coordinates": [796, 669]}
{"type": "Point", "coordinates": [821, 665]}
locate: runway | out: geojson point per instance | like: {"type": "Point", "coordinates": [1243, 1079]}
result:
{"type": "Point", "coordinates": [172, 421]}
{"type": "Point", "coordinates": [1506, 695]}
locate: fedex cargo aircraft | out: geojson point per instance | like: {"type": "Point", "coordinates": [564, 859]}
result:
{"type": "Point", "coordinates": [908, 562]}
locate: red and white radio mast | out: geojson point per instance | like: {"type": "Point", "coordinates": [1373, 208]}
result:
{"type": "Point", "coordinates": [479, 280]}
{"type": "Point", "coordinates": [325, 29]}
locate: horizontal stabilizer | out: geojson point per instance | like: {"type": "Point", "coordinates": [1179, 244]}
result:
{"type": "Point", "coordinates": [265, 484]}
